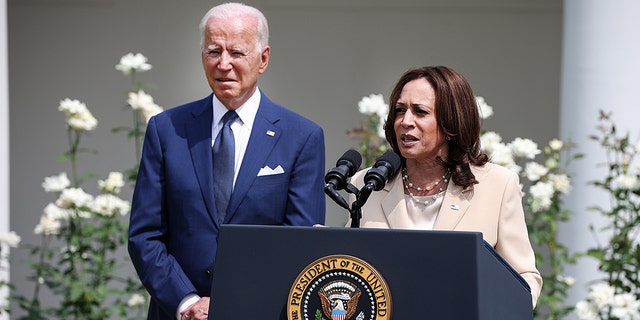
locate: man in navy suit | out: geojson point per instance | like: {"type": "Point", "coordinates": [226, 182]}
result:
{"type": "Point", "coordinates": [278, 168]}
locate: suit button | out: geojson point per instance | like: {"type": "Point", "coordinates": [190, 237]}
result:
{"type": "Point", "coordinates": [207, 273]}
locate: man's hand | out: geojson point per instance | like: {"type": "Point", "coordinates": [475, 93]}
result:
{"type": "Point", "coordinates": [197, 311]}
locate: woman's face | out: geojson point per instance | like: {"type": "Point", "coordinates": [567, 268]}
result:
{"type": "Point", "coordinates": [418, 135]}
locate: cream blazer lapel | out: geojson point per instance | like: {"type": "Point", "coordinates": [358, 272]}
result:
{"type": "Point", "coordinates": [393, 206]}
{"type": "Point", "coordinates": [454, 206]}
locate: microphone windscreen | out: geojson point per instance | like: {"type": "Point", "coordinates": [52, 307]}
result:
{"type": "Point", "coordinates": [354, 158]}
{"type": "Point", "coordinates": [393, 159]}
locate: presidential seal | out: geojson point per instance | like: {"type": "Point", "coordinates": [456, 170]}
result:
{"type": "Point", "coordinates": [339, 287]}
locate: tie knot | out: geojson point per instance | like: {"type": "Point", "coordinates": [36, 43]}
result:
{"type": "Point", "coordinates": [229, 117]}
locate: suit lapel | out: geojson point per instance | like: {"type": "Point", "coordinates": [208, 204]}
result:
{"type": "Point", "coordinates": [199, 139]}
{"type": "Point", "coordinates": [393, 204]}
{"type": "Point", "coordinates": [454, 206]}
{"type": "Point", "coordinates": [264, 136]}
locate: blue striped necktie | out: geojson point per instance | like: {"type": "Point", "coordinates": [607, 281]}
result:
{"type": "Point", "coordinates": [223, 164]}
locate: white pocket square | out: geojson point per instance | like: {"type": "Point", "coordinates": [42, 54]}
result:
{"type": "Point", "coordinates": [266, 171]}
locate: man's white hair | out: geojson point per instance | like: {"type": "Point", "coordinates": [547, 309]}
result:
{"type": "Point", "coordinates": [235, 10]}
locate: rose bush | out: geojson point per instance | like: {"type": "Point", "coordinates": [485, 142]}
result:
{"type": "Point", "coordinates": [617, 295]}
{"type": "Point", "coordinates": [80, 256]}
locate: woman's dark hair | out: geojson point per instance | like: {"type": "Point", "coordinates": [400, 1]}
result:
{"type": "Point", "coordinates": [456, 114]}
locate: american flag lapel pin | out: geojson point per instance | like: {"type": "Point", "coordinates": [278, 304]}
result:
{"type": "Point", "coordinates": [270, 133]}
{"type": "Point", "coordinates": [454, 207]}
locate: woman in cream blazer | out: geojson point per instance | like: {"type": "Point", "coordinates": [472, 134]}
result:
{"type": "Point", "coordinates": [446, 182]}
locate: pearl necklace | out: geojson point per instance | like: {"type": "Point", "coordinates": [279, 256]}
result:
{"type": "Point", "coordinates": [409, 185]}
{"type": "Point", "coordinates": [425, 200]}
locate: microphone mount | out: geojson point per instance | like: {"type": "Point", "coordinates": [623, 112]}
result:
{"type": "Point", "coordinates": [375, 178]}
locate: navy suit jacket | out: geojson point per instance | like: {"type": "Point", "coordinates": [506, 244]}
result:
{"type": "Point", "coordinates": [174, 227]}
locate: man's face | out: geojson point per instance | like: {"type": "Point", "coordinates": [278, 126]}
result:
{"type": "Point", "coordinates": [232, 60]}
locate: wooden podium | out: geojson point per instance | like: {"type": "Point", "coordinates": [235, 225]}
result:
{"type": "Point", "coordinates": [273, 272]}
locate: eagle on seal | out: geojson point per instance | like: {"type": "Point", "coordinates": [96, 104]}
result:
{"type": "Point", "coordinates": [336, 310]}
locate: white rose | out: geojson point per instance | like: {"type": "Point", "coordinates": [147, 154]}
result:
{"type": "Point", "coordinates": [586, 311]}
{"type": "Point", "coordinates": [78, 115]}
{"type": "Point", "coordinates": [109, 205]}
{"type": "Point", "coordinates": [56, 183]}
{"type": "Point", "coordinates": [489, 140]}
{"type": "Point", "coordinates": [626, 182]}
{"type": "Point", "coordinates": [73, 198]}
{"type": "Point", "coordinates": [541, 194]}
{"type": "Point", "coordinates": [47, 226]}
{"type": "Point", "coordinates": [71, 107]}
{"type": "Point", "coordinates": [373, 104]}
{"type": "Point", "coordinates": [130, 63]}
{"type": "Point", "coordinates": [524, 148]}
{"type": "Point", "coordinates": [561, 183]}
{"type": "Point", "coordinates": [556, 145]}
{"type": "Point", "coordinates": [144, 103]}
{"type": "Point", "coordinates": [625, 306]}
{"type": "Point", "coordinates": [502, 155]}
{"type": "Point", "coordinates": [485, 110]}
{"type": "Point", "coordinates": [54, 212]}
{"type": "Point", "coordinates": [83, 121]}
{"type": "Point", "coordinates": [11, 238]}
{"type": "Point", "coordinates": [601, 294]}
{"type": "Point", "coordinates": [534, 171]}
{"type": "Point", "coordinates": [113, 183]}
{"type": "Point", "coordinates": [139, 100]}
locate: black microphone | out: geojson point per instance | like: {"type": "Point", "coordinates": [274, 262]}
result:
{"type": "Point", "coordinates": [386, 166]}
{"type": "Point", "coordinates": [336, 178]}
{"type": "Point", "coordinates": [346, 167]}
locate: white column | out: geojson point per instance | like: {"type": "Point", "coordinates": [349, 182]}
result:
{"type": "Point", "coordinates": [4, 137]}
{"type": "Point", "coordinates": [600, 71]}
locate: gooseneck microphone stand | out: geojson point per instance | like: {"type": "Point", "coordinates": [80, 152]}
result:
{"type": "Point", "coordinates": [355, 211]}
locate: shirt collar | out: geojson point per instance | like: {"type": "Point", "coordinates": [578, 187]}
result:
{"type": "Point", "coordinates": [246, 112]}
